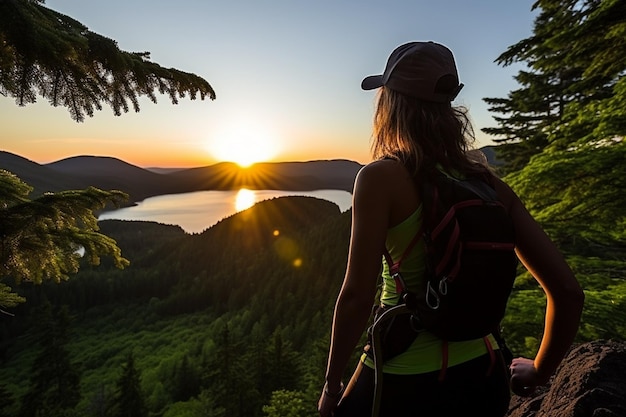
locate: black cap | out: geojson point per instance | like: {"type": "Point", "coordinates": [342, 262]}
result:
{"type": "Point", "coordinates": [424, 70]}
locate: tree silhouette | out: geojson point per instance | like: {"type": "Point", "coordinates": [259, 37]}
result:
{"type": "Point", "coordinates": [129, 399]}
{"type": "Point", "coordinates": [43, 52]}
{"type": "Point", "coordinates": [54, 382]}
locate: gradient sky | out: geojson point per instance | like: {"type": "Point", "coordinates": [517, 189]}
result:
{"type": "Point", "coordinates": [286, 73]}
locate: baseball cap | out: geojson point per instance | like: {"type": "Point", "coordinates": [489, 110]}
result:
{"type": "Point", "coordinates": [424, 70]}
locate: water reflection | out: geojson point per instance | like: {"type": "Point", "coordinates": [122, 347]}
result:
{"type": "Point", "coordinates": [245, 199]}
{"type": "Point", "coordinates": [197, 211]}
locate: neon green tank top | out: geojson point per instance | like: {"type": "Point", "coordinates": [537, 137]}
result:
{"type": "Point", "coordinates": [425, 354]}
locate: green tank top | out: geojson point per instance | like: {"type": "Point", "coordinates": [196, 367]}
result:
{"type": "Point", "coordinates": [425, 354]}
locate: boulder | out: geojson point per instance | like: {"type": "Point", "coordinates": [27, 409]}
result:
{"type": "Point", "coordinates": [590, 382]}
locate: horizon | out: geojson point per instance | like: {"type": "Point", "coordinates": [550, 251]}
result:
{"type": "Point", "coordinates": [239, 165]}
{"type": "Point", "coordinates": [287, 78]}
{"type": "Point", "coordinates": [174, 168]}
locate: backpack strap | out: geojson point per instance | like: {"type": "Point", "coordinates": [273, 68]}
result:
{"type": "Point", "coordinates": [377, 354]}
{"type": "Point", "coordinates": [394, 267]}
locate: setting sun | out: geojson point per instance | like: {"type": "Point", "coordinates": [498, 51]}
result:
{"type": "Point", "coordinates": [244, 144]}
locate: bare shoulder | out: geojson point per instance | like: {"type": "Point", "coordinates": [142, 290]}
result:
{"type": "Point", "coordinates": [506, 194]}
{"type": "Point", "coordinates": [382, 167]}
{"type": "Point", "coordinates": [390, 182]}
{"type": "Point", "coordinates": [381, 173]}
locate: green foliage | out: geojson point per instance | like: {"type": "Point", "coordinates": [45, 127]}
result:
{"type": "Point", "coordinates": [286, 404]}
{"type": "Point", "coordinates": [572, 90]}
{"type": "Point", "coordinates": [129, 399]}
{"type": "Point", "coordinates": [6, 400]}
{"type": "Point", "coordinates": [261, 323]}
{"type": "Point", "coordinates": [46, 238]}
{"type": "Point", "coordinates": [43, 52]}
{"type": "Point", "coordinates": [578, 199]}
{"type": "Point", "coordinates": [54, 388]}
{"type": "Point", "coordinates": [261, 319]}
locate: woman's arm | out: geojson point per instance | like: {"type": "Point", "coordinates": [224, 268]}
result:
{"type": "Point", "coordinates": [565, 297]}
{"type": "Point", "coordinates": [370, 214]}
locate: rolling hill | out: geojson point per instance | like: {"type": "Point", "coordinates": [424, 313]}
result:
{"type": "Point", "coordinates": [108, 173]}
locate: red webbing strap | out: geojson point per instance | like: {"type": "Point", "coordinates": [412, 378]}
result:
{"type": "Point", "coordinates": [456, 233]}
{"type": "Point", "coordinates": [492, 355]}
{"type": "Point", "coordinates": [394, 268]}
{"type": "Point", "coordinates": [444, 360]}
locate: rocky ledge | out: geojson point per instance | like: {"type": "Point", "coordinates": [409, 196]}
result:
{"type": "Point", "coordinates": [591, 382]}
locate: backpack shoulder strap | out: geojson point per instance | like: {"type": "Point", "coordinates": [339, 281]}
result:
{"type": "Point", "coordinates": [394, 267]}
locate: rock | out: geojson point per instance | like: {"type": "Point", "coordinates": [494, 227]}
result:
{"type": "Point", "coordinates": [590, 382]}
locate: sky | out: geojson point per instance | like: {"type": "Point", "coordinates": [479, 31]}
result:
{"type": "Point", "coordinates": [286, 73]}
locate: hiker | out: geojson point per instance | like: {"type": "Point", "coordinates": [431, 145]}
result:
{"type": "Point", "coordinates": [415, 124]}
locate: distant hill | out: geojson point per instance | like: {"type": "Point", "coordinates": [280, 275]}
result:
{"type": "Point", "coordinates": [109, 173]}
{"type": "Point", "coordinates": [113, 174]}
{"type": "Point", "coordinates": [38, 176]}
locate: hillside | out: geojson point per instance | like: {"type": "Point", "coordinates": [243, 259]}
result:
{"type": "Point", "coordinates": [258, 287]}
{"type": "Point", "coordinates": [113, 174]}
{"type": "Point", "coordinates": [271, 272]}
{"type": "Point", "coordinates": [38, 176]}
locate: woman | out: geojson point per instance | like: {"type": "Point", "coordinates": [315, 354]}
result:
{"type": "Point", "coordinates": [415, 125]}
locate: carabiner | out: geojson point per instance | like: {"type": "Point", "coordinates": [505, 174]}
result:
{"type": "Point", "coordinates": [431, 292]}
{"type": "Point", "coordinates": [443, 285]}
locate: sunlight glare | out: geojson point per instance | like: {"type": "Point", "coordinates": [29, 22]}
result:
{"type": "Point", "coordinates": [244, 199]}
{"type": "Point", "coordinates": [244, 144]}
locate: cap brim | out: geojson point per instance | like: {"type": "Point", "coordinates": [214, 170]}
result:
{"type": "Point", "coordinates": [372, 82]}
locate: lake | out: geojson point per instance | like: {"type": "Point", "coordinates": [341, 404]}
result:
{"type": "Point", "coordinates": [197, 211]}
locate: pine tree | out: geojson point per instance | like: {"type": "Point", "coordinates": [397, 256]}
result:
{"type": "Point", "coordinates": [41, 239]}
{"type": "Point", "coordinates": [43, 52]}
{"type": "Point", "coordinates": [129, 399]}
{"type": "Point", "coordinates": [569, 117]}
{"type": "Point", "coordinates": [54, 388]}
{"type": "Point", "coordinates": [186, 381]}
{"type": "Point", "coordinates": [572, 89]}
{"type": "Point", "coordinates": [6, 400]}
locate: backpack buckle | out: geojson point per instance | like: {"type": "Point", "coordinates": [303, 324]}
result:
{"type": "Point", "coordinates": [400, 285]}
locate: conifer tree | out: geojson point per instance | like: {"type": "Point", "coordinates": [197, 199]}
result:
{"type": "Point", "coordinates": [572, 88]}
{"type": "Point", "coordinates": [228, 381]}
{"type": "Point", "coordinates": [42, 239]}
{"type": "Point", "coordinates": [46, 53]}
{"type": "Point", "coordinates": [186, 381]}
{"type": "Point", "coordinates": [129, 399]}
{"type": "Point", "coordinates": [569, 114]}
{"type": "Point", "coordinates": [6, 400]}
{"type": "Point", "coordinates": [54, 388]}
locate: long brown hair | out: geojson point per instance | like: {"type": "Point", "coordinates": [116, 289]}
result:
{"type": "Point", "coordinates": [418, 133]}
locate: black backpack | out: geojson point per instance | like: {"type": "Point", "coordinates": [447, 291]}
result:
{"type": "Point", "coordinates": [470, 266]}
{"type": "Point", "coordinates": [470, 259]}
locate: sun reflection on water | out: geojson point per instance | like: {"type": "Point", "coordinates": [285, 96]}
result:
{"type": "Point", "coordinates": [244, 199]}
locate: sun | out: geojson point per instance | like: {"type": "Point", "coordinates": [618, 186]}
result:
{"type": "Point", "coordinates": [244, 144]}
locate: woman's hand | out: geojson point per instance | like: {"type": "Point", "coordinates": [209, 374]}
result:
{"type": "Point", "coordinates": [328, 401]}
{"type": "Point", "coordinates": [524, 377]}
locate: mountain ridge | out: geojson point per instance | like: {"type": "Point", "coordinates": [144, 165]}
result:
{"type": "Point", "coordinates": [110, 173]}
